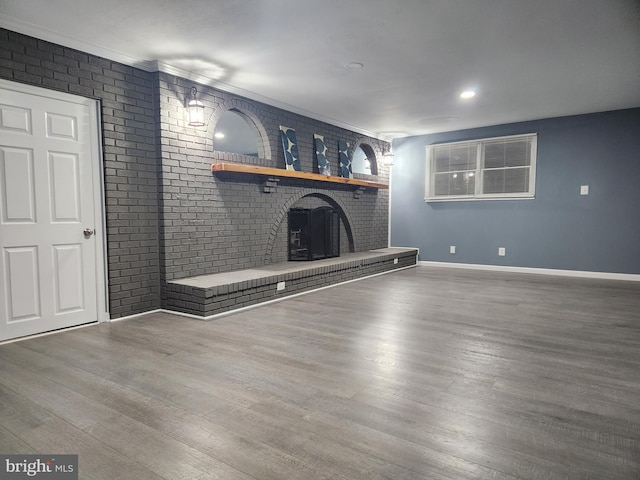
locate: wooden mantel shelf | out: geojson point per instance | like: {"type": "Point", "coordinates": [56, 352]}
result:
{"type": "Point", "coordinates": [281, 172]}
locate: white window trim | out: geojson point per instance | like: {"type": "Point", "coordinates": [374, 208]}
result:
{"type": "Point", "coordinates": [477, 195]}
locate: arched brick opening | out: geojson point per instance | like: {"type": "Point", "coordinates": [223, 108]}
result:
{"type": "Point", "coordinates": [371, 156]}
{"type": "Point", "coordinates": [282, 217]}
{"type": "Point", "coordinates": [249, 113]}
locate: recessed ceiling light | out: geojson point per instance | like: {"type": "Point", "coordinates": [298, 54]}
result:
{"type": "Point", "coordinates": [354, 65]}
{"type": "Point", "coordinates": [218, 135]}
{"type": "Point", "coordinates": [468, 94]}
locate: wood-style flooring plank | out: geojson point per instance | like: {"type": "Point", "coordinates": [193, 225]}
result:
{"type": "Point", "coordinates": [426, 373]}
{"type": "Point", "coordinates": [225, 446]}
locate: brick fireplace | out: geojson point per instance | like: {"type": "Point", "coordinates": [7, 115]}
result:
{"type": "Point", "coordinates": [236, 222]}
{"type": "Point", "coordinates": [169, 219]}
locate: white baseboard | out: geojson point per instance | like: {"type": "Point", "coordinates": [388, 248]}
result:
{"type": "Point", "coordinates": [129, 317]}
{"type": "Point", "coordinates": [629, 277]}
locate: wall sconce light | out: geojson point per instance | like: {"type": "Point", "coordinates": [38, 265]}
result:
{"type": "Point", "coordinates": [387, 158]}
{"type": "Point", "coordinates": [196, 110]}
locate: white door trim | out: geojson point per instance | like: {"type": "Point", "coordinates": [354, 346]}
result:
{"type": "Point", "coordinates": [98, 183]}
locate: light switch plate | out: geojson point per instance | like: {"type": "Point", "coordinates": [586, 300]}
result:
{"type": "Point", "coordinates": [584, 189]}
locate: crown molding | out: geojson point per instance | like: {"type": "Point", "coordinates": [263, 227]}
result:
{"type": "Point", "coordinates": [68, 41]}
{"type": "Point", "coordinates": [226, 87]}
{"type": "Point", "coordinates": [49, 35]}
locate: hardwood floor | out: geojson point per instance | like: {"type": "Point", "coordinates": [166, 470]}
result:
{"type": "Point", "coordinates": [427, 373]}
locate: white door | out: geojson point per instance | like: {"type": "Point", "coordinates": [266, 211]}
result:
{"type": "Point", "coordinates": [48, 161]}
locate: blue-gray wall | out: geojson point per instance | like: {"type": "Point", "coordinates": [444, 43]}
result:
{"type": "Point", "coordinates": [559, 229]}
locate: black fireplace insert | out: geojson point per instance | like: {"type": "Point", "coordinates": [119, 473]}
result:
{"type": "Point", "coordinates": [313, 233]}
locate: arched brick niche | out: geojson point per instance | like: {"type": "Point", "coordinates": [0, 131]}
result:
{"type": "Point", "coordinates": [370, 154]}
{"type": "Point", "coordinates": [276, 250]}
{"type": "Point", "coordinates": [250, 114]}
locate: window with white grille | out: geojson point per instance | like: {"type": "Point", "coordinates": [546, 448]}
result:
{"type": "Point", "coordinates": [490, 168]}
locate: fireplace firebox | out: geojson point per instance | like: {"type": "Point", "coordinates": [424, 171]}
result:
{"type": "Point", "coordinates": [313, 233]}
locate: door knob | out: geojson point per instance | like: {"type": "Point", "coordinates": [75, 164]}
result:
{"type": "Point", "coordinates": [88, 232]}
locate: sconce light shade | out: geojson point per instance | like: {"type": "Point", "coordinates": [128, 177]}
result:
{"type": "Point", "coordinates": [196, 110]}
{"type": "Point", "coordinates": [387, 159]}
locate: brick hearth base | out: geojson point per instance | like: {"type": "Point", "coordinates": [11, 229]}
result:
{"type": "Point", "coordinates": [208, 295]}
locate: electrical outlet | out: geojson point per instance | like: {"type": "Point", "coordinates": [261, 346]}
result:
{"type": "Point", "coordinates": [502, 251]}
{"type": "Point", "coordinates": [280, 286]}
{"type": "Point", "coordinates": [452, 249]}
{"type": "Point", "coordinates": [584, 189]}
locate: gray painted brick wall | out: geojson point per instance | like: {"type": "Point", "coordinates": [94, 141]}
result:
{"type": "Point", "coordinates": [167, 216]}
{"type": "Point", "coordinates": [217, 223]}
{"type": "Point", "coordinates": [129, 151]}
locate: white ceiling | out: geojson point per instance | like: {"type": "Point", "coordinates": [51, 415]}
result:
{"type": "Point", "coordinates": [528, 59]}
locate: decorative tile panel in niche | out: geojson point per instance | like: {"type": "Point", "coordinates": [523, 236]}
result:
{"type": "Point", "coordinates": [344, 154]}
{"type": "Point", "coordinates": [324, 168]}
{"type": "Point", "coordinates": [290, 147]}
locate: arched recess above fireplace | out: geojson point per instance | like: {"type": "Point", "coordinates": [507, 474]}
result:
{"type": "Point", "coordinates": [364, 160]}
{"type": "Point", "coordinates": [235, 132]}
{"type": "Point", "coordinates": [248, 128]}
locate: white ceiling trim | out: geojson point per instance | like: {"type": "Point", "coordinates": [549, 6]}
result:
{"type": "Point", "coordinates": [527, 61]}
{"type": "Point", "coordinates": [225, 87]}
{"type": "Point", "coordinates": [41, 33]}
